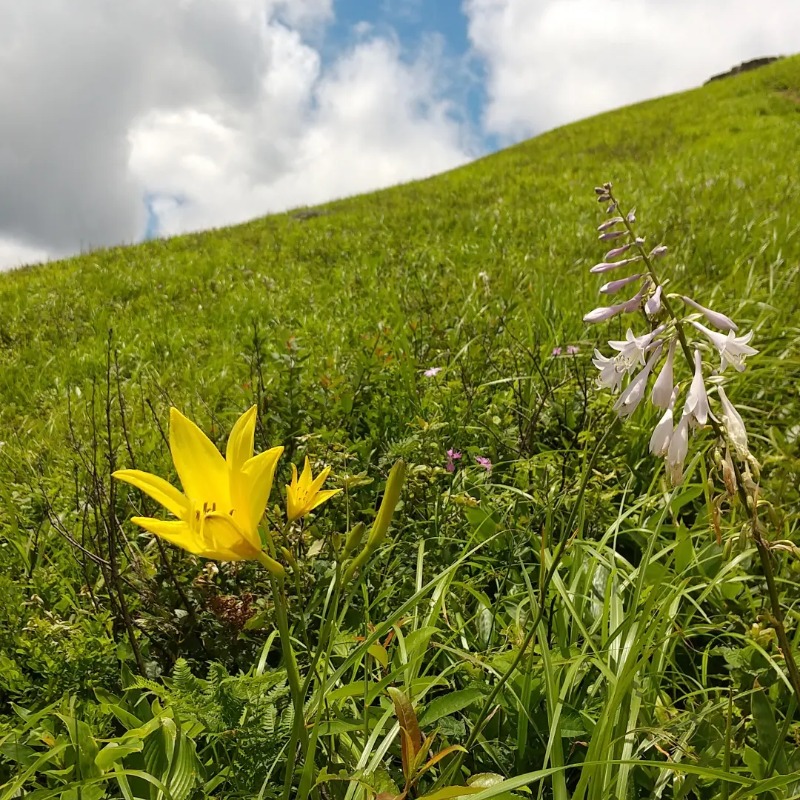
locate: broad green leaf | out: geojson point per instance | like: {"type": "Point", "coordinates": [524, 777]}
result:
{"type": "Point", "coordinates": [114, 751]}
{"type": "Point", "coordinates": [448, 704]}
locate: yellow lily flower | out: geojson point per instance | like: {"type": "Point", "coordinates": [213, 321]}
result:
{"type": "Point", "coordinates": [223, 499]}
{"type": "Point", "coordinates": [303, 495]}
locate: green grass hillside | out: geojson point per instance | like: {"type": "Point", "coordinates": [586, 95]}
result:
{"type": "Point", "coordinates": [327, 319]}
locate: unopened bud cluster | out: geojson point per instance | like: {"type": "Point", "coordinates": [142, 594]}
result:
{"type": "Point", "coordinates": [652, 353]}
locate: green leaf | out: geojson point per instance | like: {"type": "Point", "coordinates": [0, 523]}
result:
{"type": "Point", "coordinates": [768, 739]}
{"type": "Point", "coordinates": [449, 704]}
{"type": "Point", "coordinates": [378, 652]}
{"type": "Point", "coordinates": [754, 761]}
{"type": "Point", "coordinates": [483, 523]}
{"type": "Point", "coordinates": [114, 751]}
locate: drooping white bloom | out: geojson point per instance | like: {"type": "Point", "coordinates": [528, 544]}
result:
{"type": "Point", "coordinates": [696, 405]}
{"type": "Point", "coordinates": [717, 319]}
{"type": "Point", "coordinates": [629, 400]}
{"type": "Point", "coordinates": [662, 388]}
{"type": "Point", "coordinates": [734, 425]}
{"type": "Point", "coordinates": [662, 433]}
{"type": "Point", "coordinates": [653, 305]}
{"type": "Point", "coordinates": [678, 450]}
{"type": "Point", "coordinates": [634, 349]}
{"type": "Point", "coordinates": [612, 287]}
{"type": "Point", "coordinates": [612, 371]}
{"type": "Point", "coordinates": [732, 349]}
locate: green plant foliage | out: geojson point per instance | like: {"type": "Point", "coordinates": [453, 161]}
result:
{"type": "Point", "coordinates": [563, 625]}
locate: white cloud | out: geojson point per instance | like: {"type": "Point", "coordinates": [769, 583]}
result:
{"type": "Point", "coordinates": [13, 254]}
{"type": "Point", "coordinates": [555, 61]}
{"type": "Point", "coordinates": [215, 110]}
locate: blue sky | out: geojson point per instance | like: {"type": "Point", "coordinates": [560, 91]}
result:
{"type": "Point", "coordinates": [210, 112]}
{"type": "Point", "coordinates": [412, 22]}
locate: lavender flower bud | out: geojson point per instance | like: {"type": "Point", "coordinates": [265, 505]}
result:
{"type": "Point", "coordinates": [600, 190]}
{"type": "Point", "coordinates": [612, 287]}
{"type": "Point", "coordinates": [609, 223]}
{"type": "Point", "coordinates": [612, 207]}
{"type": "Point", "coordinates": [631, 215]}
{"type": "Point", "coordinates": [611, 235]}
{"type": "Point", "coordinates": [618, 251]}
{"type": "Point", "coordinates": [603, 313]}
{"type": "Point", "coordinates": [636, 300]}
{"type": "Point", "coordinates": [604, 198]}
{"type": "Point", "coordinates": [659, 251]}
{"type": "Point", "coordinates": [607, 266]}
{"type": "Point", "coordinates": [606, 312]}
{"type": "Point", "coordinates": [717, 319]}
{"type": "Point", "coordinates": [653, 305]}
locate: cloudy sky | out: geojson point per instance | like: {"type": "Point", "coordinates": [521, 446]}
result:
{"type": "Point", "coordinates": [126, 120]}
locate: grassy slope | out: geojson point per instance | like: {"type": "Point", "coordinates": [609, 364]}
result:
{"type": "Point", "coordinates": [710, 170]}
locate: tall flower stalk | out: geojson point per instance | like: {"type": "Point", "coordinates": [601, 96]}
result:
{"type": "Point", "coordinates": [642, 353]}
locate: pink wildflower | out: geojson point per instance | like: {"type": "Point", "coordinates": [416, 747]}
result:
{"type": "Point", "coordinates": [452, 457]}
{"type": "Point", "coordinates": [573, 349]}
{"type": "Point", "coordinates": [432, 372]}
{"type": "Point", "coordinates": [484, 462]}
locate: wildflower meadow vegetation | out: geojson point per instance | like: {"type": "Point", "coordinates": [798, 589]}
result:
{"type": "Point", "coordinates": [375, 499]}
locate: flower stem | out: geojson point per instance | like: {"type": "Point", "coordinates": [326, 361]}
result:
{"type": "Point", "coordinates": [299, 733]}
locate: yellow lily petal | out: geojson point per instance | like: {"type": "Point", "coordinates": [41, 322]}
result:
{"type": "Point", "coordinates": [305, 478]}
{"type": "Point", "coordinates": [294, 497]}
{"type": "Point", "coordinates": [318, 481]}
{"type": "Point", "coordinates": [321, 497]}
{"type": "Point", "coordinates": [175, 532]}
{"type": "Point", "coordinates": [224, 540]}
{"type": "Point", "coordinates": [201, 468]}
{"type": "Point", "coordinates": [257, 477]}
{"type": "Point", "coordinates": [160, 490]}
{"type": "Point", "coordinates": [240, 441]}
